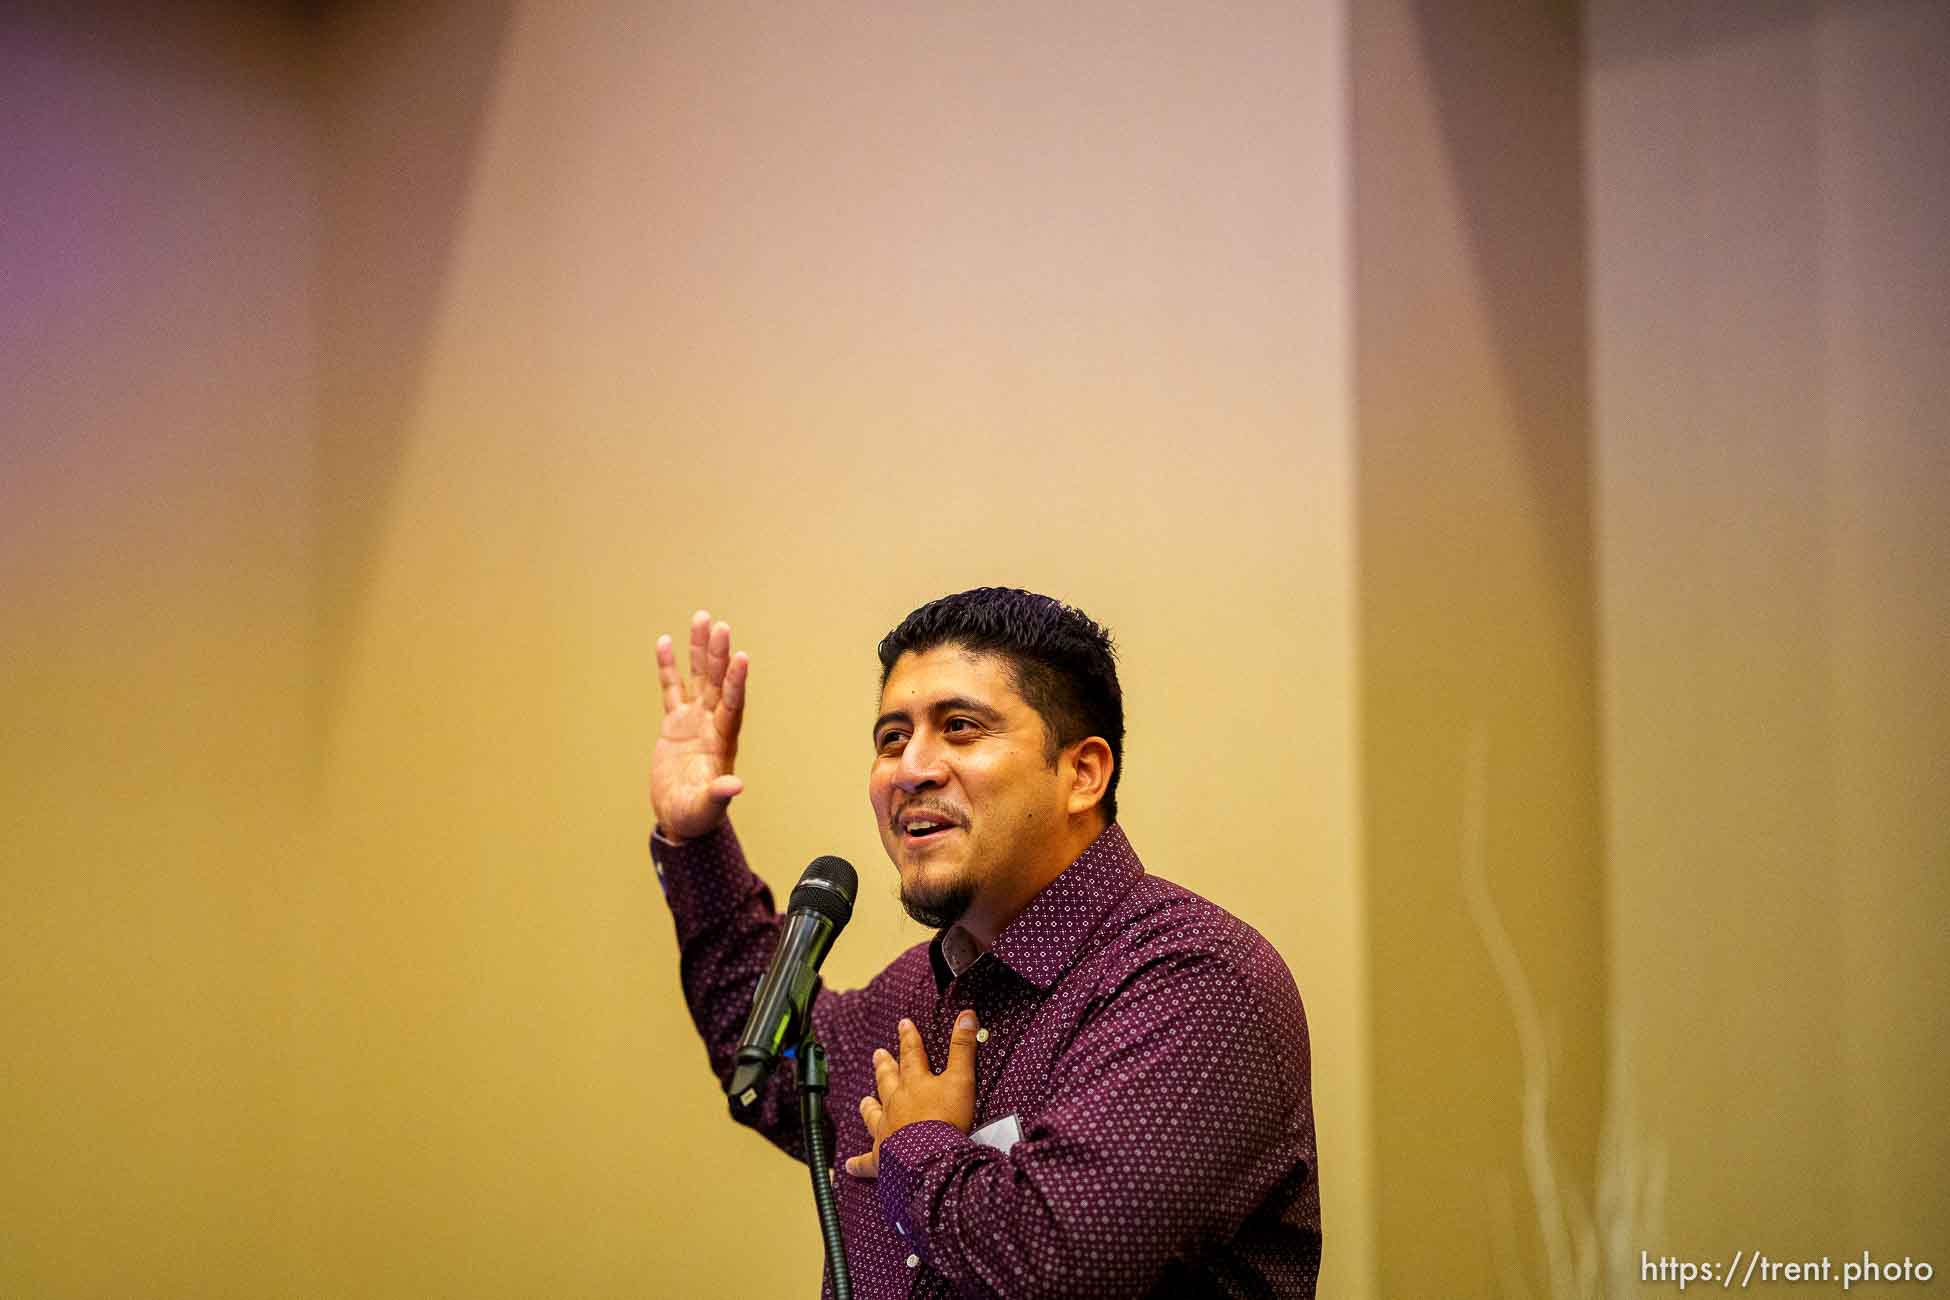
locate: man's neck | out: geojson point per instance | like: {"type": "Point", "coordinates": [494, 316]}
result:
{"type": "Point", "coordinates": [983, 929]}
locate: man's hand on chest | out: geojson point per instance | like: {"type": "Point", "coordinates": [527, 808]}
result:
{"type": "Point", "coordinates": [907, 1090]}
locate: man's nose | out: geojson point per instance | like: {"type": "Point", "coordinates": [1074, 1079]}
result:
{"type": "Point", "coordinates": [920, 766]}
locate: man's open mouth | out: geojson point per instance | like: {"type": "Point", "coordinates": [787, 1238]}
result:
{"type": "Point", "coordinates": [921, 828]}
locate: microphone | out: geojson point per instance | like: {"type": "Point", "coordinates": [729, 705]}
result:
{"type": "Point", "coordinates": [820, 906]}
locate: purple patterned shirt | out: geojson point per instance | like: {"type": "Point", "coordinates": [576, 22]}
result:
{"type": "Point", "coordinates": [1143, 1111]}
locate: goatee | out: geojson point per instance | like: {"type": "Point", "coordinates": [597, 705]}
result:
{"type": "Point", "coordinates": [940, 907]}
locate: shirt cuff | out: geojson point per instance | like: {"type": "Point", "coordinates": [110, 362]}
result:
{"type": "Point", "coordinates": [700, 877]}
{"type": "Point", "coordinates": [904, 1160]}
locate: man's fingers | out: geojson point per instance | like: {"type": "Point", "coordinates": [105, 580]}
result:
{"type": "Point", "coordinates": [717, 653]}
{"type": "Point", "coordinates": [734, 688]}
{"type": "Point", "coordinates": [700, 650]}
{"type": "Point", "coordinates": [914, 1053]}
{"type": "Point", "coordinates": [867, 1165]}
{"type": "Point", "coordinates": [886, 1075]}
{"type": "Point", "coordinates": [961, 1048]}
{"type": "Point", "coordinates": [667, 678]}
{"type": "Point", "coordinates": [720, 651]}
{"type": "Point", "coordinates": [723, 789]}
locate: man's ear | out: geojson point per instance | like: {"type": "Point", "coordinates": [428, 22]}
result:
{"type": "Point", "coordinates": [1093, 764]}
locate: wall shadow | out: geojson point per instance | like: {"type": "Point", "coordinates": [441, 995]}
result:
{"type": "Point", "coordinates": [1509, 100]}
{"type": "Point", "coordinates": [405, 94]}
{"type": "Point", "coordinates": [1476, 566]}
{"type": "Point", "coordinates": [1667, 29]}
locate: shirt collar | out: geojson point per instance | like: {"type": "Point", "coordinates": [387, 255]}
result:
{"type": "Point", "coordinates": [1049, 935]}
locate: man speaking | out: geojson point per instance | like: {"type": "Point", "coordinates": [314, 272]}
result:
{"type": "Point", "coordinates": [1091, 1082]}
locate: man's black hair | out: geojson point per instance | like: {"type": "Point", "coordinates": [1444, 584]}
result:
{"type": "Point", "coordinates": [1061, 663]}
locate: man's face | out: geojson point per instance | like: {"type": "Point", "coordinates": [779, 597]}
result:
{"type": "Point", "coordinates": [969, 807]}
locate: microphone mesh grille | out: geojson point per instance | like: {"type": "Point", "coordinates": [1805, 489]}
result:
{"type": "Point", "coordinates": [827, 887]}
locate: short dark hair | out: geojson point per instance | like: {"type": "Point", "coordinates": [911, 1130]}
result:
{"type": "Point", "coordinates": [1062, 663]}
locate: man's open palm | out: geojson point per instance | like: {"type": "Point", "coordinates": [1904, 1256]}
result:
{"type": "Point", "coordinates": [691, 778]}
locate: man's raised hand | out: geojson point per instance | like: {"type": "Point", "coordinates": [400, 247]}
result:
{"type": "Point", "coordinates": [690, 770]}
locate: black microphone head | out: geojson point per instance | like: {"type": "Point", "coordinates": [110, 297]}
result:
{"type": "Point", "coordinates": [827, 887]}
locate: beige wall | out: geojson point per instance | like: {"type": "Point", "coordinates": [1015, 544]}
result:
{"type": "Point", "coordinates": [1768, 203]}
{"type": "Point", "coordinates": [157, 411]}
{"type": "Point", "coordinates": [811, 314]}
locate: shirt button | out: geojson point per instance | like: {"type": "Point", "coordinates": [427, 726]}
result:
{"type": "Point", "coordinates": [981, 1035]}
{"type": "Point", "coordinates": [914, 1261]}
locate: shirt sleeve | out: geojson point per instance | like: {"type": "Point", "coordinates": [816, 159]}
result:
{"type": "Point", "coordinates": [727, 931]}
{"type": "Point", "coordinates": [1175, 1110]}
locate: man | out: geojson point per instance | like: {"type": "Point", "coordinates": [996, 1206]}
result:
{"type": "Point", "coordinates": [1125, 1106]}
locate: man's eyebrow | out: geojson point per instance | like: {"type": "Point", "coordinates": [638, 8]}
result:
{"type": "Point", "coordinates": [952, 704]}
{"type": "Point", "coordinates": [963, 704]}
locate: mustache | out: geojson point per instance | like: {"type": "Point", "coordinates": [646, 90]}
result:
{"type": "Point", "coordinates": [942, 811]}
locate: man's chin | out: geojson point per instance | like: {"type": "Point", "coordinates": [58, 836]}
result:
{"type": "Point", "coordinates": [938, 907]}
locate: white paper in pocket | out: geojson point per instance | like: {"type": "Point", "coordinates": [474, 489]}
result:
{"type": "Point", "coordinates": [1001, 1135]}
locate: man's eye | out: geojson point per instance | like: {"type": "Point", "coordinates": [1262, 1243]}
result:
{"type": "Point", "coordinates": [890, 738]}
{"type": "Point", "coordinates": [964, 723]}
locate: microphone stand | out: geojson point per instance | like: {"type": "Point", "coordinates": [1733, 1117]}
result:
{"type": "Point", "coordinates": [811, 1058]}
